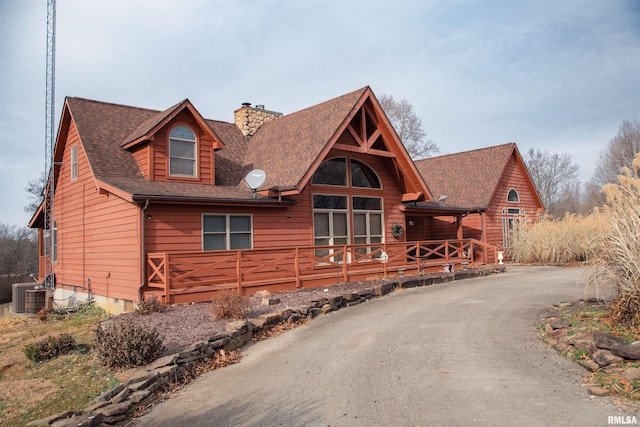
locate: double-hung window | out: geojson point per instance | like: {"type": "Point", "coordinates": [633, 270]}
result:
{"type": "Point", "coordinates": [182, 152]}
{"type": "Point", "coordinates": [225, 232]}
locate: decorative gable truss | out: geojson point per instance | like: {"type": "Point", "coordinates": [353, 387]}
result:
{"type": "Point", "coordinates": [369, 131]}
{"type": "Point", "coordinates": [363, 134]}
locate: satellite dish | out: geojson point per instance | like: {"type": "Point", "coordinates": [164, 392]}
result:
{"type": "Point", "coordinates": [254, 180]}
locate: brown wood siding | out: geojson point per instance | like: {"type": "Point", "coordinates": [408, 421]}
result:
{"type": "Point", "coordinates": [97, 233]}
{"type": "Point", "coordinates": [179, 228]}
{"type": "Point", "coordinates": [513, 177]}
{"type": "Point", "coordinates": [416, 228]}
{"type": "Point", "coordinates": [142, 156]}
{"type": "Point", "coordinates": [441, 228]}
{"type": "Point", "coordinates": [472, 227]}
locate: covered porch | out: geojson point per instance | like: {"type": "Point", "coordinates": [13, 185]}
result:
{"type": "Point", "coordinates": [181, 277]}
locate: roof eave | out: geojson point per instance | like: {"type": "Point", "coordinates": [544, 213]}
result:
{"type": "Point", "coordinates": [212, 201]}
{"type": "Point", "coordinates": [442, 210]}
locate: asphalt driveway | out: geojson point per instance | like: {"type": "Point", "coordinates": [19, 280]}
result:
{"type": "Point", "coordinates": [463, 353]}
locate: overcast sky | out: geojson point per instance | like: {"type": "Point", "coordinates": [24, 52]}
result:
{"type": "Point", "coordinates": [555, 75]}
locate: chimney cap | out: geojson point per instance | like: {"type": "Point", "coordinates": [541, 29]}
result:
{"type": "Point", "coordinates": [246, 104]}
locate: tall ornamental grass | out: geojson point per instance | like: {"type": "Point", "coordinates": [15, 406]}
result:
{"type": "Point", "coordinates": [554, 241]}
{"type": "Point", "coordinates": [615, 252]}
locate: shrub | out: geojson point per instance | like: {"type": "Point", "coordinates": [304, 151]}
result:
{"type": "Point", "coordinates": [89, 309]}
{"type": "Point", "coordinates": [228, 305]}
{"type": "Point", "coordinates": [42, 315]}
{"type": "Point", "coordinates": [125, 344]}
{"type": "Point", "coordinates": [148, 306]}
{"type": "Point", "coordinates": [49, 348]}
{"type": "Point", "coordinates": [615, 254]}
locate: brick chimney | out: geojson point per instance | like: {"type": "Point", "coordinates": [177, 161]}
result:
{"type": "Point", "coordinates": [249, 119]}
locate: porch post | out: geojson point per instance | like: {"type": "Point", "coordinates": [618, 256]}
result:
{"type": "Point", "coordinates": [296, 262]}
{"type": "Point", "coordinates": [459, 227]}
{"type": "Point", "coordinates": [41, 255]}
{"type": "Point", "coordinates": [167, 278]}
{"type": "Point", "coordinates": [483, 217]}
{"type": "Point", "coordinates": [384, 264]}
{"type": "Point", "coordinates": [239, 271]}
{"type": "Point", "coordinates": [345, 263]}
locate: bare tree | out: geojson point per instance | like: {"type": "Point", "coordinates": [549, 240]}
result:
{"type": "Point", "coordinates": [552, 174]}
{"type": "Point", "coordinates": [571, 200]}
{"type": "Point", "coordinates": [619, 153]}
{"type": "Point", "coordinates": [409, 128]}
{"type": "Point", "coordinates": [35, 188]}
{"type": "Point", "coordinates": [18, 250]}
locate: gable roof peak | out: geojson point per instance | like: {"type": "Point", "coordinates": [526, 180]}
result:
{"type": "Point", "coordinates": [149, 126]}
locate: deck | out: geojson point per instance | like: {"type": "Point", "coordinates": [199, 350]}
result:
{"type": "Point", "coordinates": [180, 277]}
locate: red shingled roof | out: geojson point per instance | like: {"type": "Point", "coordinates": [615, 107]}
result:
{"type": "Point", "coordinates": [469, 178]}
{"type": "Point", "coordinates": [285, 148]}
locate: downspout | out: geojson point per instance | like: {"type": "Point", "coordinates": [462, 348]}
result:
{"type": "Point", "coordinates": [143, 270]}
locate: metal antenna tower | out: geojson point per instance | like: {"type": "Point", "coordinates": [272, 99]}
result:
{"type": "Point", "coordinates": [49, 141]}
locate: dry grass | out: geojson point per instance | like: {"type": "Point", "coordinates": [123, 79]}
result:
{"type": "Point", "coordinates": [34, 390]}
{"type": "Point", "coordinates": [609, 240]}
{"type": "Point", "coordinates": [615, 254]}
{"type": "Point", "coordinates": [555, 241]}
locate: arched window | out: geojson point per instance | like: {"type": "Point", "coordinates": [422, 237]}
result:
{"type": "Point", "coordinates": [363, 176]}
{"type": "Point", "coordinates": [512, 196]}
{"type": "Point", "coordinates": [334, 172]}
{"type": "Point", "coordinates": [182, 152]}
{"type": "Point", "coordinates": [340, 219]}
{"type": "Point", "coordinates": [331, 172]}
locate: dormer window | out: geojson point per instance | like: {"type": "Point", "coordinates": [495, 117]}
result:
{"type": "Point", "coordinates": [182, 152]}
{"type": "Point", "coordinates": [513, 196]}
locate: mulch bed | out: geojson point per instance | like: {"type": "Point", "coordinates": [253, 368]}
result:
{"type": "Point", "coordinates": [183, 324]}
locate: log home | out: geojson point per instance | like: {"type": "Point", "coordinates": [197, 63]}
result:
{"type": "Point", "coordinates": [157, 202]}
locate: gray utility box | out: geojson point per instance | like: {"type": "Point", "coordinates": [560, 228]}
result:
{"type": "Point", "coordinates": [19, 292]}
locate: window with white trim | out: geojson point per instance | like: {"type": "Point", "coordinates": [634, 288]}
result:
{"type": "Point", "coordinates": [74, 162]}
{"type": "Point", "coordinates": [330, 223]}
{"type": "Point", "coordinates": [513, 196]}
{"type": "Point", "coordinates": [363, 176]}
{"type": "Point", "coordinates": [182, 152]}
{"type": "Point", "coordinates": [54, 242]}
{"type": "Point", "coordinates": [512, 220]}
{"type": "Point", "coordinates": [227, 232]}
{"type": "Point", "coordinates": [334, 172]}
{"type": "Point", "coordinates": [367, 222]}
{"type": "Point", "coordinates": [336, 216]}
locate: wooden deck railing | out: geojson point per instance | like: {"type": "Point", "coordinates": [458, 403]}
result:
{"type": "Point", "coordinates": [192, 276]}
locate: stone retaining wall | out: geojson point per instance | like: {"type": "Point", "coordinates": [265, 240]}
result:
{"type": "Point", "coordinates": [145, 385]}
